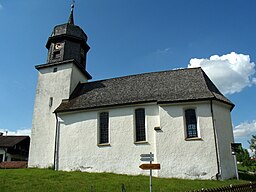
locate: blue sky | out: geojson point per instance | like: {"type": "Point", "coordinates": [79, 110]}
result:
{"type": "Point", "coordinates": [130, 37]}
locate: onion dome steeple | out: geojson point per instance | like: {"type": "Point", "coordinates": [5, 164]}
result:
{"type": "Point", "coordinates": [67, 43]}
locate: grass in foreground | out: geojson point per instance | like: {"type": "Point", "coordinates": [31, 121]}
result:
{"type": "Point", "coordinates": [17, 180]}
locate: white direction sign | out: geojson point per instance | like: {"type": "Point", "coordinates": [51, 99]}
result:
{"type": "Point", "coordinates": [147, 157]}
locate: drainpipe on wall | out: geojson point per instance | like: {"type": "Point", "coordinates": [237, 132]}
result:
{"type": "Point", "coordinates": [216, 143]}
{"type": "Point", "coordinates": [56, 147]}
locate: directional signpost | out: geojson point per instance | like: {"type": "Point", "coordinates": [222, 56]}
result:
{"type": "Point", "coordinates": [149, 166]}
{"type": "Point", "coordinates": [149, 157]}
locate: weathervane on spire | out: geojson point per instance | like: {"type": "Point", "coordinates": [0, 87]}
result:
{"type": "Point", "coordinates": [73, 4]}
{"type": "Point", "coordinates": [71, 17]}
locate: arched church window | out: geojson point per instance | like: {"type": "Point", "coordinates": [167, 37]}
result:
{"type": "Point", "coordinates": [140, 124]}
{"type": "Point", "coordinates": [191, 123]}
{"type": "Point", "coordinates": [104, 128]}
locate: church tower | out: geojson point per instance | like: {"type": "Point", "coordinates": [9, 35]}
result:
{"type": "Point", "coordinates": [57, 78]}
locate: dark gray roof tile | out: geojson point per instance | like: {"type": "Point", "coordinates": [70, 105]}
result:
{"type": "Point", "coordinates": [10, 141]}
{"type": "Point", "coordinates": [166, 86]}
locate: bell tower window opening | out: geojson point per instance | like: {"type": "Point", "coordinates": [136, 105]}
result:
{"type": "Point", "coordinates": [56, 54]}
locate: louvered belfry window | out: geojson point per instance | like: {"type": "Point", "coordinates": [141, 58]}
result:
{"type": "Point", "coordinates": [191, 124]}
{"type": "Point", "coordinates": [104, 120]}
{"type": "Point", "coordinates": [140, 124]}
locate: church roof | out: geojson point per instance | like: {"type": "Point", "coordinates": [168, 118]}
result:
{"type": "Point", "coordinates": [162, 87]}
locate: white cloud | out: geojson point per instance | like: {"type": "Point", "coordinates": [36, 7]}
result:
{"type": "Point", "coordinates": [245, 129]}
{"type": "Point", "coordinates": [230, 73]}
{"type": "Point", "coordinates": [1, 6]}
{"type": "Point", "coordinates": [17, 132]}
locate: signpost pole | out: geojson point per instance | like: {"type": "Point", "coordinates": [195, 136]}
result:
{"type": "Point", "coordinates": [149, 158]}
{"type": "Point", "coordinates": [150, 178]}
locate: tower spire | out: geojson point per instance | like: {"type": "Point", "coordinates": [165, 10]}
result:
{"type": "Point", "coordinates": [71, 17]}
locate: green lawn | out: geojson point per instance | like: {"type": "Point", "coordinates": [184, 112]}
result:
{"type": "Point", "coordinates": [246, 168]}
{"type": "Point", "coordinates": [48, 180]}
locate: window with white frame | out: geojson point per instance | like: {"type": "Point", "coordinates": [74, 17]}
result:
{"type": "Point", "coordinates": [140, 124]}
{"type": "Point", "coordinates": [103, 127]}
{"type": "Point", "coordinates": [191, 123]}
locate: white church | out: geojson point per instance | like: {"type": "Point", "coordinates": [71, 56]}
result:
{"type": "Point", "coordinates": [104, 126]}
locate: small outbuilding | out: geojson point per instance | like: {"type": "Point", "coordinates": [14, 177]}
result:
{"type": "Point", "coordinates": [14, 148]}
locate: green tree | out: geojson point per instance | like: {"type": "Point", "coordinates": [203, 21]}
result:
{"type": "Point", "coordinates": [252, 143]}
{"type": "Point", "coordinates": [243, 156]}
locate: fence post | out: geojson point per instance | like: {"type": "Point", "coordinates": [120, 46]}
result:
{"type": "Point", "coordinates": [123, 188]}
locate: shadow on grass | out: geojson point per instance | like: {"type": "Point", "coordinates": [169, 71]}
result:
{"type": "Point", "coordinates": [247, 177]}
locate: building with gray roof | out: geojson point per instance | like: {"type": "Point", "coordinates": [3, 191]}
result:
{"type": "Point", "coordinates": [104, 126]}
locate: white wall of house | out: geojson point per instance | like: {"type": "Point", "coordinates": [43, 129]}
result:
{"type": "Point", "coordinates": [58, 85]}
{"type": "Point", "coordinates": [178, 156]}
{"type": "Point", "coordinates": [225, 137]}
{"type": "Point", "coordinates": [78, 144]}
{"type": "Point", "coordinates": [181, 157]}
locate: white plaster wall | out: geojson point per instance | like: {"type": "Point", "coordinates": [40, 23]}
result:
{"type": "Point", "coordinates": [222, 118]}
{"type": "Point", "coordinates": [78, 149]}
{"type": "Point", "coordinates": [76, 76]}
{"type": "Point", "coordinates": [182, 158]}
{"type": "Point", "coordinates": [50, 84]}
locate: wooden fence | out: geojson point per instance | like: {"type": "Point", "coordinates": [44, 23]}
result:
{"type": "Point", "coordinates": [249, 187]}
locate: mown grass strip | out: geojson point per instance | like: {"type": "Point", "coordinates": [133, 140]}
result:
{"type": "Point", "coordinates": [19, 180]}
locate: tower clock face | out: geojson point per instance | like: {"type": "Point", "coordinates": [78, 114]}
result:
{"type": "Point", "coordinates": [57, 46]}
